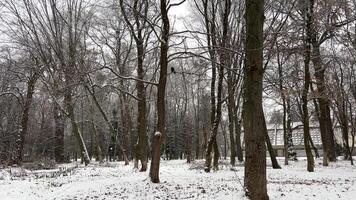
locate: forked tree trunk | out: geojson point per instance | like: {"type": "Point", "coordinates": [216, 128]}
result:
{"type": "Point", "coordinates": [216, 116]}
{"type": "Point", "coordinates": [326, 130]}
{"type": "Point", "coordinates": [139, 13]}
{"type": "Point", "coordinates": [253, 119]}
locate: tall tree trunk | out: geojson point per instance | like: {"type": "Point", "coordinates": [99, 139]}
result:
{"type": "Point", "coordinates": [305, 114]}
{"type": "Point", "coordinates": [161, 94]}
{"type": "Point", "coordinates": [231, 114]}
{"type": "Point", "coordinates": [212, 143]}
{"type": "Point", "coordinates": [139, 12]}
{"type": "Point", "coordinates": [142, 143]}
{"type": "Point", "coordinates": [326, 130]}
{"type": "Point", "coordinates": [20, 142]}
{"type": "Point", "coordinates": [237, 124]}
{"type": "Point", "coordinates": [255, 148]}
{"type": "Point", "coordinates": [317, 113]}
{"type": "Point", "coordinates": [211, 29]}
{"type": "Point", "coordinates": [224, 62]}
{"type": "Point", "coordinates": [284, 121]}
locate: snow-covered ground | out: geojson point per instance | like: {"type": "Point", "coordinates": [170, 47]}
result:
{"type": "Point", "coordinates": [179, 180]}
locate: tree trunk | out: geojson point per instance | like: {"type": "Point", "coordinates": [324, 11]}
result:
{"type": "Point", "coordinates": [98, 148]}
{"type": "Point", "coordinates": [284, 121]}
{"type": "Point", "coordinates": [59, 134]}
{"type": "Point", "coordinates": [142, 143]}
{"type": "Point", "coordinates": [20, 142]}
{"type": "Point", "coordinates": [140, 10]}
{"type": "Point", "coordinates": [291, 150]}
{"type": "Point", "coordinates": [271, 152]}
{"type": "Point", "coordinates": [216, 155]}
{"type": "Point", "coordinates": [197, 127]}
{"type": "Point", "coordinates": [239, 152]}
{"type": "Point", "coordinates": [253, 119]}
{"type": "Point", "coordinates": [225, 144]}
{"type": "Point", "coordinates": [326, 130]}
{"type": "Point", "coordinates": [156, 154]}
{"type": "Point", "coordinates": [212, 140]}
{"type": "Point", "coordinates": [126, 125]}
{"type": "Point", "coordinates": [305, 114]}
{"type": "Point", "coordinates": [285, 133]}
{"type": "Point", "coordinates": [216, 116]}
{"type": "Point", "coordinates": [161, 93]}
{"type": "Point", "coordinates": [75, 129]}
{"type": "Point", "coordinates": [231, 114]}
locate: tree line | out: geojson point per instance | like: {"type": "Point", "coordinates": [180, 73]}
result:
{"type": "Point", "coordinates": [122, 80]}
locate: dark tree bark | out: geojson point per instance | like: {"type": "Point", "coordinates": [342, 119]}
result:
{"type": "Point", "coordinates": [237, 124]}
{"type": "Point", "coordinates": [231, 114]}
{"type": "Point", "coordinates": [255, 148]}
{"type": "Point", "coordinates": [239, 152]}
{"type": "Point", "coordinates": [59, 121]}
{"type": "Point", "coordinates": [197, 121]}
{"type": "Point", "coordinates": [341, 111]}
{"type": "Point", "coordinates": [305, 113]}
{"type": "Point", "coordinates": [98, 146]}
{"type": "Point", "coordinates": [326, 130]}
{"type": "Point", "coordinates": [283, 97]}
{"type": "Point", "coordinates": [291, 150]}
{"type": "Point", "coordinates": [20, 142]}
{"type": "Point", "coordinates": [224, 62]}
{"type": "Point", "coordinates": [140, 12]}
{"type": "Point", "coordinates": [161, 93]}
{"type": "Point", "coordinates": [271, 152]}
{"type": "Point", "coordinates": [232, 138]}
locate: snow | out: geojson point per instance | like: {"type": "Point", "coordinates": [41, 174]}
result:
{"type": "Point", "coordinates": [158, 134]}
{"type": "Point", "coordinates": [179, 180]}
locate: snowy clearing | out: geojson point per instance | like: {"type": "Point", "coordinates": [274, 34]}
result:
{"type": "Point", "coordinates": [179, 180]}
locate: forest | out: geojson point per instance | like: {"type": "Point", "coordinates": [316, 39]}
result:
{"type": "Point", "coordinates": [177, 99]}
